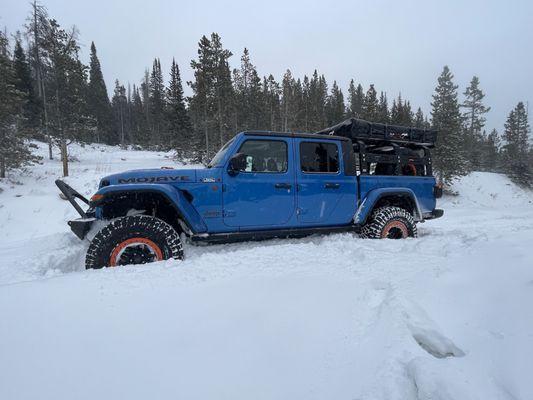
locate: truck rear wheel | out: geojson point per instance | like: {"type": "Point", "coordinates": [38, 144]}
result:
{"type": "Point", "coordinates": [136, 239]}
{"type": "Point", "coordinates": [389, 223]}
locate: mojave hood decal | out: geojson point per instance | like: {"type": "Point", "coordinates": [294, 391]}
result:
{"type": "Point", "coordinates": [152, 176]}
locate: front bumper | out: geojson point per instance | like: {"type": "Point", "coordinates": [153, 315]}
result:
{"type": "Point", "coordinates": [81, 226]}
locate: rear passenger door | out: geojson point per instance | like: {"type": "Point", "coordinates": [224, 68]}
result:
{"type": "Point", "coordinates": [321, 183]}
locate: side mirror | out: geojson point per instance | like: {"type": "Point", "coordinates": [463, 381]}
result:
{"type": "Point", "coordinates": [237, 163]}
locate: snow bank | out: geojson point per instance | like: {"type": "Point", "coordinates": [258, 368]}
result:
{"type": "Point", "coordinates": [444, 316]}
{"type": "Point", "coordinates": [490, 190]}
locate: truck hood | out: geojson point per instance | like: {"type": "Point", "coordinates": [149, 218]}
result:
{"type": "Point", "coordinates": [150, 176]}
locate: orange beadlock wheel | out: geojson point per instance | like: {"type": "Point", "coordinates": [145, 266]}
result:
{"type": "Point", "coordinates": [389, 222]}
{"type": "Point", "coordinates": [131, 240]}
{"type": "Point", "coordinates": [395, 230]}
{"type": "Point", "coordinates": [146, 247]}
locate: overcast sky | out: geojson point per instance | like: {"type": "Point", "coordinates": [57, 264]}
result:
{"type": "Point", "coordinates": [397, 45]}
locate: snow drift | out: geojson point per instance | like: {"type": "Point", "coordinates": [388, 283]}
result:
{"type": "Point", "coordinates": [445, 316]}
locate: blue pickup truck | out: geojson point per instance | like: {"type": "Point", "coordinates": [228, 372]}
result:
{"type": "Point", "coordinates": [357, 176]}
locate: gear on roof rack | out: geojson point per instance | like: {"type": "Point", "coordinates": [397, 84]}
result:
{"type": "Point", "coordinates": [365, 131]}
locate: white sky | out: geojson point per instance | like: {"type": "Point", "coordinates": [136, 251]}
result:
{"type": "Point", "coordinates": [397, 45]}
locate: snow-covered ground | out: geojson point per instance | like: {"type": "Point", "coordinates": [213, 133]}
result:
{"type": "Point", "coordinates": [446, 316]}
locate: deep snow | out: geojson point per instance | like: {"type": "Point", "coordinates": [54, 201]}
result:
{"type": "Point", "coordinates": [444, 316]}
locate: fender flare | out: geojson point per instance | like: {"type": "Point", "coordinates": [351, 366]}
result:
{"type": "Point", "coordinates": [175, 197]}
{"type": "Point", "coordinates": [367, 205]}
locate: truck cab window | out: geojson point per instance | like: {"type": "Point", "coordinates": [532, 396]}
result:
{"type": "Point", "coordinates": [265, 156]}
{"type": "Point", "coordinates": [319, 157]}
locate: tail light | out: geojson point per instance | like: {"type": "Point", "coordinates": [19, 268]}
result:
{"type": "Point", "coordinates": [437, 190]}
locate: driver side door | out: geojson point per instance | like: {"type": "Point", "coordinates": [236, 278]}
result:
{"type": "Point", "coordinates": [262, 194]}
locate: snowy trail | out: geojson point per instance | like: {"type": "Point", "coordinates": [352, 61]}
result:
{"type": "Point", "coordinates": [445, 316]}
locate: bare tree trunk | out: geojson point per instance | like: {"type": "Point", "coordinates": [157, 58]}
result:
{"type": "Point", "coordinates": [64, 156]}
{"type": "Point", "coordinates": [220, 131]}
{"type": "Point", "coordinates": [50, 155]}
{"type": "Point", "coordinates": [2, 166]}
{"type": "Point", "coordinates": [40, 82]}
{"type": "Point", "coordinates": [286, 116]}
{"type": "Point", "coordinates": [122, 141]}
{"type": "Point", "coordinates": [48, 135]}
{"type": "Point", "coordinates": [206, 142]}
{"type": "Point", "coordinates": [128, 114]}
{"type": "Point", "coordinates": [206, 133]}
{"type": "Point", "coordinates": [306, 118]}
{"type": "Point", "coordinates": [63, 140]}
{"type": "Point", "coordinates": [271, 116]}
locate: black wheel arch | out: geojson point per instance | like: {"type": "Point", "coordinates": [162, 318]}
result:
{"type": "Point", "coordinates": [152, 202]}
{"type": "Point", "coordinates": [400, 199]}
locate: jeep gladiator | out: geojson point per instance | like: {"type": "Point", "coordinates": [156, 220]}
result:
{"type": "Point", "coordinates": [369, 178]}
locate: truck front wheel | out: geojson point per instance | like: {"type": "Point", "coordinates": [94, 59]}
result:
{"type": "Point", "coordinates": [389, 223]}
{"type": "Point", "coordinates": [136, 239]}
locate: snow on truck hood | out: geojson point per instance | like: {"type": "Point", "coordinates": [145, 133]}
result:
{"type": "Point", "coordinates": [155, 175]}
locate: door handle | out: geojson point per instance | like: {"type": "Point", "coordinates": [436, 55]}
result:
{"type": "Point", "coordinates": [282, 185]}
{"type": "Point", "coordinates": [332, 185]}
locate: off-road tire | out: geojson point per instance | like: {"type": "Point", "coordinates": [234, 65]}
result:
{"type": "Point", "coordinates": [384, 219]}
{"type": "Point", "coordinates": [152, 229]}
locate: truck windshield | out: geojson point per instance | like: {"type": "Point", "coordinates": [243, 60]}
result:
{"type": "Point", "coordinates": [220, 154]}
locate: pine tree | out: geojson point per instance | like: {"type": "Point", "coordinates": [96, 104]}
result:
{"type": "Point", "coordinates": [98, 101]}
{"type": "Point", "coordinates": [407, 114]}
{"type": "Point", "coordinates": [305, 105]}
{"type": "Point", "coordinates": [213, 100]}
{"type": "Point", "coordinates": [67, 86]}
{"type": "Point", "coordinates": [247, 95]}
{"type": "Point", "coordinates": [491, 159]}
{"type": "Point", "coordinates": [289, 102]}
{"type": "Point", "coordinates": [223, 90]}
{"type": "Point", "coordinates": [446, 118]}
{"type": "Point", "coordinates": [119, 105]}
{"type": "Point", "coordinates": [179, 123]}
{"type": "Point", "coordinates": [317, 94]}
{"type": "Point", "coordinates": [14, 151]}
{"type": "Point", "coordinates": [30, 111]}
{"type": "Point", "coordinates": [299, 107]}
{"type": "Point", "coordinates": [201, 107]}
{"type": "Point", "coordinates": [37, 29]}
{"type": "Point", "coordinates": [383, 109]}
{"type": "Point", "coordinates": [474, 121]}
{"type": "Point", "coordinates": [335, 108]}
{"type": "Point", "coordinates": [401, 113]}
{"type": "Point", "coordinates": [140, 130]}
{"type": "Point", "coordinates": [370, 105]}
{"type": "Point", "coordinates": [157, 104]}
{"type": "Point", "coordinates": [356, 98]}
{"type": "Point", "coordinates": [271, 105]}
{"type": "Point", "coordinates": [128, 123]}
{"type": "Point", "coordinates": [419, 119]}
{"type": "Point", "coordinates": [516, 149]}
{"type": "Point", "coordinates": [146, 104]}
{"type": "Point", "coordinates": [395, 113]}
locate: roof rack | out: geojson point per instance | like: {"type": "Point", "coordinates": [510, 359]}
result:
{"type": "Point", "coordinates": [361, 130]}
